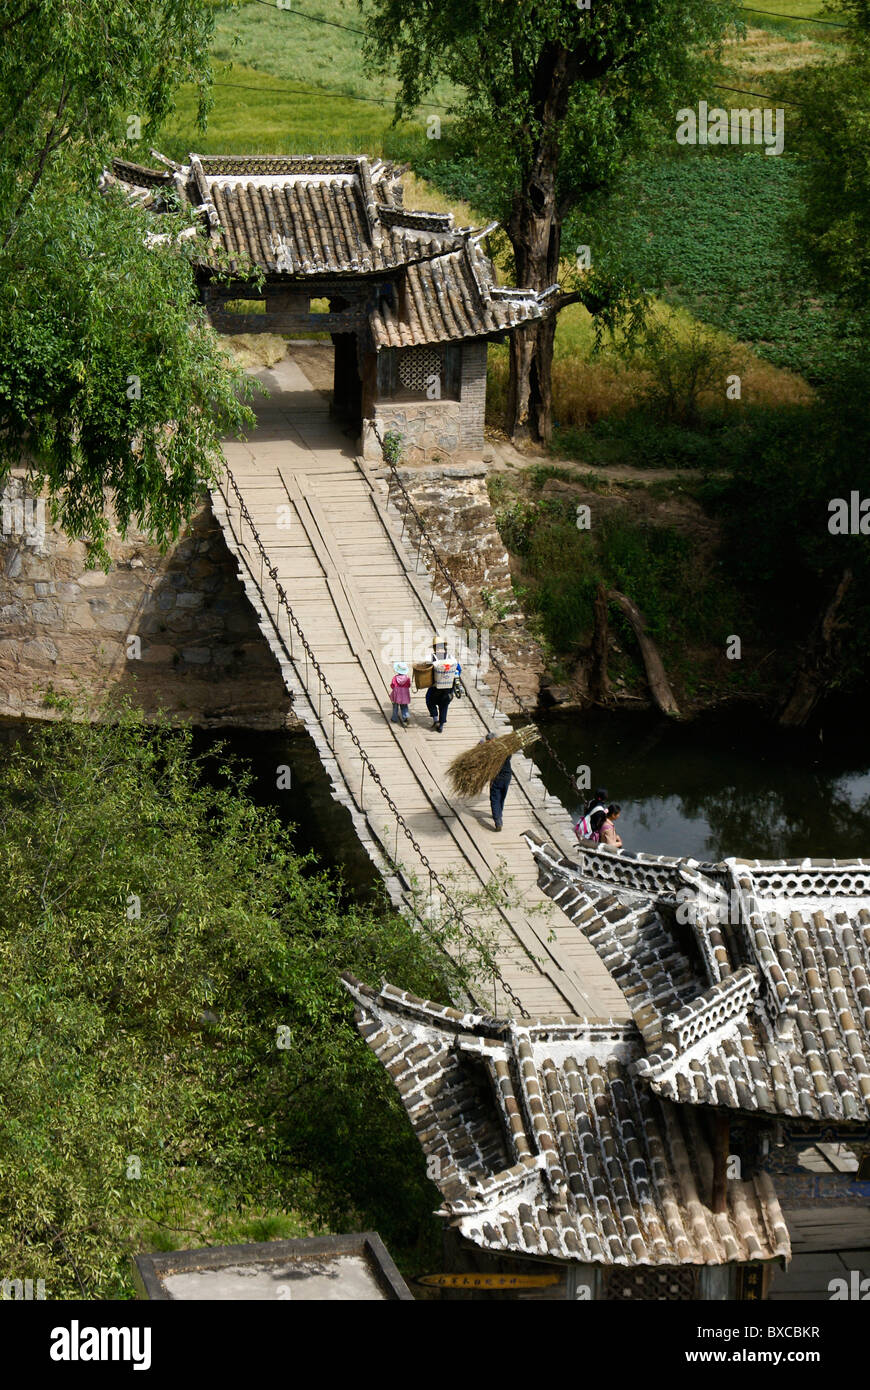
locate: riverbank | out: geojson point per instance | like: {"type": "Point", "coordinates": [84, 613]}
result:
{"type": "Point", "coordinates": [569, 532]}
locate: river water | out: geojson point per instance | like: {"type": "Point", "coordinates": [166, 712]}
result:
{"type": "Point", "coordinates": [721, 785]}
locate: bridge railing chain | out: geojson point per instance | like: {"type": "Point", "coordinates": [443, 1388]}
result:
{"type": "Point", "coordinates": [341, 715]}
{"type": "Point", "coordinates": [473, 622]}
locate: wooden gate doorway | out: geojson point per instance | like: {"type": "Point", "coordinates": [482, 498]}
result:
{"type": "Point", "coordinates": [346, 404]}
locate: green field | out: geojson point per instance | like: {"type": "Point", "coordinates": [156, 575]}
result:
{"type": "Point", "coordinates": [286, 84]}
{"type": "Point", "coordinates": [711, 232]}
{"type": "Point", "coordinates": [255, 113]}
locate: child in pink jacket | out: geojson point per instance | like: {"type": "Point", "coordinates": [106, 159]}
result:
{"type": "Point", "coordinates": [400, 694]}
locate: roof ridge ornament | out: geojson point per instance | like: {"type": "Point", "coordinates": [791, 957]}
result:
{"type": "Point", "coordinates": [475, 237]}
{"type": "Point", "coordinates": [376, 233]}
{"type": "Point", "coordinates": [170, 163]}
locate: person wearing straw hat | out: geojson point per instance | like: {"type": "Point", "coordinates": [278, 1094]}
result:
{"type": "Point", "coordinates": [400, 693]}
{"type": "Point", "coordinates": [445, 669]}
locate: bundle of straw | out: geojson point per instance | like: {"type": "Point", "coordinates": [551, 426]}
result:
{"type": "Point", "coordinates": [473, 770]}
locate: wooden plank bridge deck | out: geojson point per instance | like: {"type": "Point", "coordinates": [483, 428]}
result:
{"type": "Point", "coordinates": [350, 580]}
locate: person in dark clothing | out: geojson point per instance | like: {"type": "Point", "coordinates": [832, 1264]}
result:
{"type": "Point", "coordinates": [445, 669]}
{"type": "Point", "coordinates": [498, 789]}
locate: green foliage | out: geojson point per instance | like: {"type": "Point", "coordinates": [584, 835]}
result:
{"type": "Point", "coordinates": [156, 1036]}
{"type": "Point", "coordinates": [655, 564]}
{"type": "Point", "coordinates": [392, 447]}
{"type": "Point", "coordinates": [682, 367]}
{"type": "Point", "coordinates": [713, 231]}
{"type": "Point", "coordinates": [539, 473]}
{"type": "Point", "coordinates": [575, 85]}
{"type": "Point", "coordinates": [110, 376]}
{"type": "Point", "coordinates": [773, 508]}
{"type": "Point", "coordinates": [553, 99]}
{"type": "Point", "coordinates": [833, 224]}
{"type": "Point", "coordinates": [71, 71]}
{"type": "Point", "coordinates": [641, 442]}
{"type": "Point", "coordinates": [459, 174]}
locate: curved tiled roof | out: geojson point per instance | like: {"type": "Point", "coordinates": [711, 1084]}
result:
{"type": "Point", "coordinates": [543, 1142]}
{"type": "Point", "coordinates": [769, 1011]}
{"type": "Point", "coordinates": [449, 297]}
{"type": "Point", "coordinates": [310, 215]}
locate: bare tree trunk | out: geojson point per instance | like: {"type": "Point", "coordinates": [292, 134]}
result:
{"type": "Point", "coordinates": [530, 392]}
{"type": "Point", "coordinates": [655, 671]}
{"type": "Point", "coordinates": [535, 231]}
{"type": "Point", "coordinates": [818, 665]}
{"type": "Point", "coordinates": [599, 680]}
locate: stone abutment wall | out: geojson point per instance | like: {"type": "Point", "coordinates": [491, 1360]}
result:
{"type": "Point", "coordinates": [176, 631]}
{"type": "Point", "coordinates": [173, 631]}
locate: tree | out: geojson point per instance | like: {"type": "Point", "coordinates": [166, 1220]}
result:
{"type": "Point", "coordinates": [555, 94]}
{"type": "Point", "coordinates": [682, 365]}
{"type": "Point", "coordinates": [110, 377]}
{"type": "Point", "coordinates": [178, 1049]}
{"type": "Point", "coordinates": [833, 227]}
{"type": "Point", "coordinates": [72, 70]}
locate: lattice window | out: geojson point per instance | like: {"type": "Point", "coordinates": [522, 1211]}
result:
{"type": "Point", "coordinates": [418, 367]}
{"type": "Point", "coordinates": [648, 1283]}
{"type": "Point", "coordinates": [412, 373]}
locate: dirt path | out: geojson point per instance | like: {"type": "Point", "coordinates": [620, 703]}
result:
{"type": "Point", "coordinates": [503, 456]}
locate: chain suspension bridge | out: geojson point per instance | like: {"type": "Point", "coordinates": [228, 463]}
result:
{"type": "Point", "coordinates": [322, 549]}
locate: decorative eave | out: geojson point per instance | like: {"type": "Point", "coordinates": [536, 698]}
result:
{"type": "Point", "coordinates": [542, 1142]}
{"type": "Point", "coordinates": [297, 218]}
{"type": "Point", "coordinates": [778, 1023]}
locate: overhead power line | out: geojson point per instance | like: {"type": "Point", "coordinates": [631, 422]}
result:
{"type": "Point", "coordinates": [377, 101]}
{"type": "Point", "coordinates": [351, 29]}
{"type": "Point", "coordinates": [763, 96]}
{"type": "Point", "coordinates": [381, 101]}
{"type": "Point", "coordinates": [319, 92]}
{"type": "Point", "coordinates": [315, 18]}
{"type": "Point", "coordinates": [799, 18]}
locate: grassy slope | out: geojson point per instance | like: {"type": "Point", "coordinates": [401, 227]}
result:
{"type": "Point", "coordinates": [287, 85]}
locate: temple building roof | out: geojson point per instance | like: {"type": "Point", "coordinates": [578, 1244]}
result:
{"type": "Point", "coordinates": [449, 297]}
{"type": "Point", "coordinates": [297, 216]}
{"type": "Point", "coordinates": [543, 1141]}
{"type": "Point", "coordinates": [749, 981]}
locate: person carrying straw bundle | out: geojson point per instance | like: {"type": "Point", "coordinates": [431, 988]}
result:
{"type": "Point", "coordinates": [488, 764]}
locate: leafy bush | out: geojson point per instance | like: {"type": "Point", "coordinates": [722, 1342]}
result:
{"type": "Point", "coordinates": [157, 931]}
{"type": "Point", "coordinates": [656, 565]}
{"type": "Point", "coordinates": [684, 368]}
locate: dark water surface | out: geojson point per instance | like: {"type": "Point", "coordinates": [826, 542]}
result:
{"type": "Point", "coordinates": [724, 784]}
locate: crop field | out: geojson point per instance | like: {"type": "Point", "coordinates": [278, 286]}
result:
{"type": "Point", "coordinates": [294, 83]}
{"type": "Point", "coordinates": [711, 232]}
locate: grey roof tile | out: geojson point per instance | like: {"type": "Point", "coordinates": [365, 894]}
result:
{"type": "Point", "coordinates": [606, 1171]}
